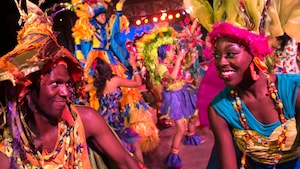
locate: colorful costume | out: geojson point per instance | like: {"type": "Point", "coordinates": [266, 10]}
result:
{"type": "Point", "coordinates": [176, 104]}
{"type": "Point", "coordinates": [17, 138]}
{"type": "Point", "coordinates": [107, 42]}
{"type": "Point", "coordinates": [259, 151]}
{"type": "Point", "coordinates": [67, 145]}
{"type": "Point", "coordinates": [266, 17]}
{"type": "Point", "coordinates": [109, 109]}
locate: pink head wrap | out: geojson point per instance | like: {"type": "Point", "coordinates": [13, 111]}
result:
{"type": "Point", "coordinates": [256, 44]}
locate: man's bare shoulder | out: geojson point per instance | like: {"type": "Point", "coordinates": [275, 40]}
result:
{"type": "Point", "coordinates": [84, 111]}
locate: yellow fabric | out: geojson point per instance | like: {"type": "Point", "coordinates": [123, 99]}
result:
{"type": "Point", "coordinates": [265, 153]}
{"type": "Point", "coordinates": [161, 69]}
{"type": "Point", "coordinates": [283, 17]}
{"type": "Point", "coordinates": [141, 122]}
{"type": "Point", "coordinates": [119, 6]}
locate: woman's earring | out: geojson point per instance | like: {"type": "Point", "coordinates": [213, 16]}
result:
{"type": "Point", "coordinates": [253, 73]}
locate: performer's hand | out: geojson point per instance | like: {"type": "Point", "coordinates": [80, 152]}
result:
{"type": "Point", "coordinates": [181, 54]}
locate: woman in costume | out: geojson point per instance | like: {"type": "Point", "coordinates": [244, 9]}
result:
{"type": "Point", "coordinates": [271, 18]}
{"type": "Point", "coordinates": [109, 94]}
{"type": "Point", "coordinates": [260, 110]}
{"type": "Point", "coordinates": [178, 99]}
{"type": "Point", "coordinates": [40, 127]}
{"type": "Point", "coordinates": [99, 37]}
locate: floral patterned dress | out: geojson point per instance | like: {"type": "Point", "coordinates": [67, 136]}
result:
{"type": "Point", "coordinates": [109, 110]}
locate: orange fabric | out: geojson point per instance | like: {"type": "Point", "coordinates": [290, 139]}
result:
{"type": "Point", "coordinates": [59, 159]}
{"type": "Point", "coordinates": [260, 64]}
{"type": "Point", "coordinates": [66, 115]}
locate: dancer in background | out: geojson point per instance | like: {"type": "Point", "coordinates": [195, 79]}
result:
{"type": "Point", "coordinates": [109, 93]}
{"type": "Point", "coordinates": [98, 36]}
{"type": "Point", "coordinates": [178, 99]}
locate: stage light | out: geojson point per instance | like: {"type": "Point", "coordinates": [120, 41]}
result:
{"type": "Point", "coordinates": [146, 20]}
{"type": "Point", "coordinates": [154, 19]}
{"type": "Point", "coordinates": [170, 16]}
{"type": "Point", "coordinates": [162, 18]}
{"type": "Point", "coordinates": [177, 15]}
{"type": "Point", "coordinates": [138, 22]}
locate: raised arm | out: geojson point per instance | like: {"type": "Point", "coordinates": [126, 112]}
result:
{"type": "Point", "coordinates": [223, 140]}
{"type": "Point", "coordinates": [104, 140]}
{"type": "Point", "coordinates": [173, 75]}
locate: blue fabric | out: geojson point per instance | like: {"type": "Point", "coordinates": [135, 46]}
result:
{"type": "Point", "coordinates": [288, 85]}
{"type": "Point", "coordinates": [194, 139]}
{"type": "Point", "coordinates": [85, 48]}
{"type": "Point", "coordinates": [181, 103]}
{"type": "Point", "coordinates": [118, 40]}
{"type": "Point", "coordinates": [173, 161]}
{"type": "Point", "coordinates": [109, 110]}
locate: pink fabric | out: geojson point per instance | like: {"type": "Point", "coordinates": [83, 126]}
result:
{"type": "Point", "coordinates": [257, 45]}
{"type": "Point", "coordinates": [209, 87]}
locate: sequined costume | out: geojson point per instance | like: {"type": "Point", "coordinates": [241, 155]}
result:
{"type": "Point", "coordinates": [260, 153]}
{"type": "Point", "coordinates": [107, 41]}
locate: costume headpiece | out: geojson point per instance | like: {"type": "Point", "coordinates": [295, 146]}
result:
{"type": "Point", "coordinates": [257, 45]}
{"type": "Point", "coordinates": [37, 46]}
{"type": "Point", "coordinates": [98, 9]}
{"type": "Point", "coordinates": [147, 47]}
{"type": "Point", "coordinates": [269, 18]}
{"type": "Point", "coordinates": [162, 51]}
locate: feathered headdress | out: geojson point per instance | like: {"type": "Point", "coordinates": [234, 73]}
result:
{"type": "Point", "coordinates": [191, 31]}
{"type": "Point", "coordinates": [147, 47]}
{"type": "Point", "coordinates": [266, 17]}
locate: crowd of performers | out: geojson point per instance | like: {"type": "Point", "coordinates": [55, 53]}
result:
{"type": "Point", "coordinates": [87, 109]}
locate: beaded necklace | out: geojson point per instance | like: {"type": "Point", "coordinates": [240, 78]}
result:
{"type": "Point", "coordinates": [69, 141]}
{"type": "Point", "coordinates": [280, 142]}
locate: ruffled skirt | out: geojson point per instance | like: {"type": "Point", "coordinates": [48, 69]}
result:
{"type": "Point", "coordinates": [179, 104]}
